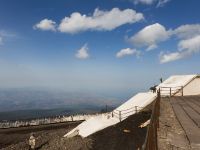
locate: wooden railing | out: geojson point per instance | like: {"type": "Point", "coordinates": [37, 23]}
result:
{"type": "Point", "coordinates": [151, 137]}
{"type": "Point", "coordinates": [171, 91]}
{"type": "Point", "coordinates": [123, 114]}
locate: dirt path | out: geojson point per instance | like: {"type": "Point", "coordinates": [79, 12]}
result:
{"type": "Point", "coordinates": [19, 136]}
{"type": "Point", "coordinates": [123, 136]}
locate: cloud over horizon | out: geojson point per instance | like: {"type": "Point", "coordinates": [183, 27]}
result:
{"type": "Point", "coordinates": [82, 53]}
{"type": "Point", "coordinates": [187, 31]}
{"type": "Point", "coordinates": [46, 25]}
{"type": "Point", "coordinates": [159, 3]}
{"type": "Point", "coordinates": [1, 40]}
{"type": "Point", "coordinates": [99, 20]}
{"type": "Point", "coordinates": [5, 35]}
{"type": "Point", "coordinates": [185, 48]}
{"type": "Point", "coordinates": [189, 36]}
{"type": "Point", "coordinates": [126, 52]}
{"type": "Point", "coordinates": [150, 36]}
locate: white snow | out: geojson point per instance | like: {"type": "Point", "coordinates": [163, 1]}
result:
{"type": "Point", "coordinates": [100, 122]}
{"type": "Point", "coordinates": [177, 81]}
{"type": "Point", "coordinates": [93, 125]}
{"type": "Point", "coordinates": [140, 99]}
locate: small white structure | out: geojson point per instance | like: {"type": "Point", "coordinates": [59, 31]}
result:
{"type": "Point", "coordinates": [180, 85]}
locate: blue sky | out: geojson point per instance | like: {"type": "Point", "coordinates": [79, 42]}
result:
{"type": "Point", "coordinates": [97, 45]}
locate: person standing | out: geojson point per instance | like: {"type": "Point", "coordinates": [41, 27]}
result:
{"type": "Point", "coordinates": [32, 142]}
{"type": "Point", "coordinates": [161, 80]}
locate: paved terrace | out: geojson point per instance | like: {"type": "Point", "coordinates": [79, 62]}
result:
{"type": "Point", "coordinates": [179, 123]}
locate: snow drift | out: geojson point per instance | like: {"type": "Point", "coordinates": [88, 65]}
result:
{"type": "Point", "coordinates": [103, 121]}
{"type": "Point", "coordinates": [175, 84]}
{"type": "Point", "coordinates": [177, 80]}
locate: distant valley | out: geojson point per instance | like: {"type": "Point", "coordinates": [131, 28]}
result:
{"type": "Point", "coordinates": [31, 103]}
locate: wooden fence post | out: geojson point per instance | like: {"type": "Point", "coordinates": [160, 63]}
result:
{"type": "Point", "coordinates": [136, 110]}
{"type": "Point", "coordinates": [120, 116]}
{"type": "Point", "coordinates": [182, 90]}
{"type": "Point", "coordinates": [72, 118]}
{"type": "Point", "coordinates": [170, 91]}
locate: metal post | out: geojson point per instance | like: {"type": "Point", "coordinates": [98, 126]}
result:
{"type": "Point", "coordinates": [72, 118]}
{"type": "Point", "coordinates": [182, 90]}
{"type": "Point", "coordinates": [136, 111]}
{"type": "Point", "coordinates": [120, 116]}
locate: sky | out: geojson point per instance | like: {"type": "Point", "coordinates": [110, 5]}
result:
{"type": "Point", "coordinates": [118, 46]}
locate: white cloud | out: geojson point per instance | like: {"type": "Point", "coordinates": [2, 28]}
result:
{"type": "Point", "coordinates": [152, 47]}
{"type": "Point", "coordinates": [185, 48]}
{"type": "Point", "coordinates": [1, 41]}
{"type": "Point", "coordinates": [126, 52]}
{"type": "Point", "coordinates": [46, 25]}
{"type": "Point", "coordinates": [82, 53]}
{"type": "Point", "coordinates": [5, 35]}
{"type": "Point", "coordinates": [187, 31]}
{"type": "Point", "coordinates": [150, 36]}
{"type": "Point", "coordinates": [192, 44]}
{"type": "Point", "coordinates": [168, 57]}
{"type": "Point", "coordinates": [161, 3]}
{"type": "Point", "coordinates": [146, 2]}
{"type": "Point", "coordinates": [99, 20]}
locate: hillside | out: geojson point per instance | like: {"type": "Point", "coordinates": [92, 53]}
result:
{"type": "Point", "coordinates": [124, 136]}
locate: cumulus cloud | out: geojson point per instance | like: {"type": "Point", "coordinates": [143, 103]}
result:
{"type": "Point", "coordinates": [99, 20]}
{"type": "Point", "coordinates": [168, 57]}
{"type": "Point", "coordinates": [188, 35]}
{"type": "Point", "coordinates": [150, 36]}
{"type": "Point", "coordinates": [185, 48]}
{"type": "Point", "coordinates": [187, 31]}
{"type": "Point", "coordinates": [45, 25]}
{"type": "Point", "coordinates": [126, 52]}
{"type": "Point", "coordinates": [82, 53]}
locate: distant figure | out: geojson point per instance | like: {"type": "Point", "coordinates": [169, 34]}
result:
{"type": "Point", "coordinates": [153, 89]}
{"type": "Point", "coordinates": [31, 142]}
{"type": "Point", "coordinates": [161, 80]}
